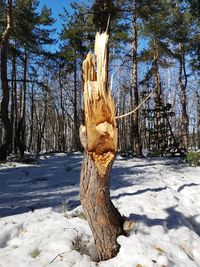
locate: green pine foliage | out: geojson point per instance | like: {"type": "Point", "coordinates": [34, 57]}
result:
{"type": "Point", "coordinates": [57, 74]}
{"type": "Point", "coordinates": [193, 158]}
{"type": "Point", "coordinates": [32, 29]}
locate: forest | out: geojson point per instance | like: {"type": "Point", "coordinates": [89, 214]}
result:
{"type": "Point", "coordinates": [154, 46]}
{"type": "Point", "coordinates": [99, 133]}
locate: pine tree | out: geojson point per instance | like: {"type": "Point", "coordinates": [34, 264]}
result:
{"type": "Point", "coordinates": [76, 37]}
{"type": "Point", "coordinates": [30, 35]}
{"type": "Point", "coordinates": [180, 37]}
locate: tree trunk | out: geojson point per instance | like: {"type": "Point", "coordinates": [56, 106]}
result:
{"type": "Point", "coordinates": [41, 127]}
{"type": "Point", "coordinates": [20, 132]}
{"type": "Point", "coordinates": [31, 119]}
{"type": "Point", "coordinates": [158, 90]}
{"type": "Point", "coordinates": [198, 120]}
{"type": "Point", "coordinates": [62, 117]}
{"type": "Point", "coordinates": [136, 134]}
{"type": "Point", "coordinates": [185, 118]}
{"type": "Point", "coordinates": [99, 139]}
{"type": "Point", "coordinates": [12, 116]}
{"type": "Point", "coordinates": [4, 82]}
{"type": "Point", "coordinates": [76, 121]}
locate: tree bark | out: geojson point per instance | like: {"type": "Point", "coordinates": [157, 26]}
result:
{"type": "Point", "coordinates": [198, 120]}
{"type": "Point", "coordinates": [136, 133]}
{"type": "Point", "coordinates": [185, 118]}
{"type": "Point", "coordinates": [158, 90]}
{"type": "Point", "coordinates": [20, 132]}
{"type": "Point", "coordinates": [12, 117]}
{"type": "Point", "coordinates": [4, 82]}
{"type": "Point", "coordinates": [31, 119]}
{"type": "Point", "coordinates": [104, 219]}
{"type": "Point", "coordinates": [62, 117]}
{"type": "Point", "coordinates": [99, 138]}
{"type": "Point", "coordinates": [41, 126]}
{"type": "Point", "coordinates": [76, 119]}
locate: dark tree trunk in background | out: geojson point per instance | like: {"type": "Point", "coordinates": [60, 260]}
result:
{"type": "Point", "coordinates": [102, 10]}
{"type": "Point", "coordinates": [20, 132]}
{"type": "Point", "coordinates": [158, 91]}
{"type": "Point", "coordinates": [32, 118]}
{"type": "Point", "coordinates": [136, 132]}
{"type": "Point", "coordinates": [99, 138]}
{"type": "Point", "coordinates": [15, 106]}
{"type": "Point", "coordinates": [198, 120]}
{"type": "Point", "coordinates": [185, 118]}
{"type": "Point", "coordinates": [76, 119]}
{"type": "Point", "coordinates": [12, 117]}
{"type": "Point", "coordinates": [4, 147]}
{"type": "Point", "coordinates": [41, 127]}
{"type": "Point", "coordinates": [62, 117]}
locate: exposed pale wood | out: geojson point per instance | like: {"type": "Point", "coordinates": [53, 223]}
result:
{"type": "Point", "coordinates": [83, 136]}
{"type": "Point", "coordinates": [99, 107]}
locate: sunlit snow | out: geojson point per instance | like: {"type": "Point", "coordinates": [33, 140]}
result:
{"type": "Point", "coordinates": [42, 222]}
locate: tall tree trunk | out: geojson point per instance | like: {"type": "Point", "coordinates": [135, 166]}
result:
{"type": "Point", "coordinates": [32, 119]}
{"type": "Point", "coordinates": [185, 118]}
{"type": "Point", "coordinates": [4, 82]}
{"type": "Point", "coordinates": [158, 90]}
{"type": "Point", "coordinates": [198, 120]}
{"type": "Point", "coordinates": [76, 122]}
{"type": "Point", "coordinates": [16, 112]}
{"type": "Point", "coordinates": [14, 109]}
{"type": "Point", "coordinates": [99, 139]}
{"type": "Point", "coordinates": [62, 117]}
{"type": "Point", "coordinates": [20, 133]}
{"type": "Point", "coordinates": [136, 133]}
{"type": "Point", "coordinates": [12, 116]}
{"type": "Point", "coordinates": [41, 126]}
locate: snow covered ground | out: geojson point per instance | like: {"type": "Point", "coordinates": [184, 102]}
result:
{"type": "Point", "coordinates": [42, 223]}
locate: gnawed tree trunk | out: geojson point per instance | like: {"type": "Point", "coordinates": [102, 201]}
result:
{"type": "Point", "coordinates": [4, 147]}
{"type": "Point", "coordinates": [99, 138]}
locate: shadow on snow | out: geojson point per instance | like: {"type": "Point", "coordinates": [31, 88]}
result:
{"type": "Point", "coordinates": [174, 220]}
{"type": "Point", "coordinates": [141, 191]}
{"type": "Point", "coordinates": [53, 182]}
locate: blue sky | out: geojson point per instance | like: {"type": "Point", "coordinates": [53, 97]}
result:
{"type": "Point", "coordinates": [57, 8]}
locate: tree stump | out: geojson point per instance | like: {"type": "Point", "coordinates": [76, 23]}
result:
{"type": "Point", "coordinates": [99, 138]}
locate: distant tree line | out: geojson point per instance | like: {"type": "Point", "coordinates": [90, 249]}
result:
{"type": "Point", "coordinates": [154, 45]}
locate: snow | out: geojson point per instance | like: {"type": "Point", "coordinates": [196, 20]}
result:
{"type": "Point", "coordinates": [42, 222]}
